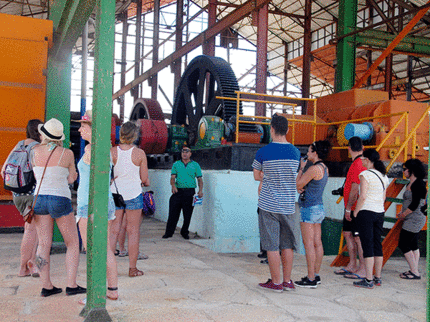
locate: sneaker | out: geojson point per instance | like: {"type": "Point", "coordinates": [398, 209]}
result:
{"type": "Point", "coordinates": [364, 284]}
{"type": "Point", "coordinates": [306, 282]}
{"type": "Point", "coordinates": [377, 281]}
{"type": "Point", "coordinates": [288, 286]}
{"type": "Point", "coordinates": [271, 286]}
{"type": "Point", "coordinates": [318, 279]}
{"type": "Point", "coordinates": [75, 290]}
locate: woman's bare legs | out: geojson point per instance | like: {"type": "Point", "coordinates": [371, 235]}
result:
{"type": "Point", "coordinates": [83, 223]}
{"type": "Point", "coordinates": [319, 250]}
{"type": "Point", "coordinates": [67, 226]}
{"type": "Point", "coordinates": [308, 237]}
{"type": "Point", "coordinates": [115, 228]}
{"type": "Point", "coordinates": [28, 250]}
{"type": "Point", "coordinates": [44, 226]}
{"type": "Point", "coordinates": [111, 267]}
{"type": "Point", "coordinates": [134, 218]}
{"type": "Point", "coordinates": [122, 234]}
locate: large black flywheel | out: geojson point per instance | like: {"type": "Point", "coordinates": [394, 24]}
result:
{"type": "Point", "coordinates": [205, 78]}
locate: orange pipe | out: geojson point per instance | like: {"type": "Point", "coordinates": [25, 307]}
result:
{"type": "Point", "coordinates": [391, 46]}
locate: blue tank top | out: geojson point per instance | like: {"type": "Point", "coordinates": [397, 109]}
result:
{"type": "Point", "coordinates": [314, 191]}
{"type": "Point", "coordinates": [84, 184]}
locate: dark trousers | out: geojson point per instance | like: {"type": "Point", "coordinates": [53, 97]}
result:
{"type": "Point", "coordinates": [182, 200]}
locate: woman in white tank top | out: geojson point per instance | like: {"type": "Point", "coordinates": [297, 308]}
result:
{"type": "Point", "coordinates": [130, 173]}
{"type": "Point", "coordinates": [54, 203]}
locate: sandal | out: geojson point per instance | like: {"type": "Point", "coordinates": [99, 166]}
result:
{"type": "Point", "coordinates": [142, 256]}
{"type": "Point", "coordinates": [134, 272]}
{"type": "Point", "coordinates": [110, 297]}
{"type": "Point", "coordinates": [409, 276]}
{"type": "Point", "coordinates": [123, 253]}
{"type": "Point", "coordinates": [34, 272]}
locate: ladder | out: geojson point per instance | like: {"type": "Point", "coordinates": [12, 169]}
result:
{"type": "Point", "coordinates": [390, 242]}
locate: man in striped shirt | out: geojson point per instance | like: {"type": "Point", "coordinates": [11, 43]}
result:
{"type": "Point", "coordinates": [276, 166]}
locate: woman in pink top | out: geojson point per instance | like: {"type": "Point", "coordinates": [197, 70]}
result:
{"type": "Point", "coordinates": [130, 172]}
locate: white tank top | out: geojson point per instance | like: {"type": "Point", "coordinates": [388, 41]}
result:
{"type": "Point", "coordinates": [127, 175]}
{"type": "Point", "coordinates": [55, 180]}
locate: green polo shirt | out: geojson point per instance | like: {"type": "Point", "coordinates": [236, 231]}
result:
{"type": "Point", "coordinates": [186, 174]}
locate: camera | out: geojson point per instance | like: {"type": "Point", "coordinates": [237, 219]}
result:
{"type": "Point", "coordinates": [302, 196]}
{"type": "Point", "coordinates": [338, 192]}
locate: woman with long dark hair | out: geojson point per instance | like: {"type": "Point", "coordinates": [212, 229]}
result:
{"type": "Point", "coordinates": [22, 201]}
{"type": "Point", "coordinates": [370, 216]}
{"type": "Point", "coordinates": [311, 184]}
{"type": "Point", "coordinates": [413, 219]}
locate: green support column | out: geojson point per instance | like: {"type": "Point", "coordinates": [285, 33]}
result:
{"type": "Point", "coordinates": [95, 309]}
{"type": "Point", "coordinates": [58, 91]}
{"type": "Point", "coordinates": [345, 49]}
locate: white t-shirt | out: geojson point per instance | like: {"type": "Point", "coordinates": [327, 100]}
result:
{"type": "Point", "coordinates": [375, 191]}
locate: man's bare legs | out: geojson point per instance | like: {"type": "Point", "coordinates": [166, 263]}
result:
{"type": "Point", "coordinates": [352, 251]}
{"type": "Point", "coordinates": [275, 260]}
{"type": "Point", "coordinates": [287, 256]}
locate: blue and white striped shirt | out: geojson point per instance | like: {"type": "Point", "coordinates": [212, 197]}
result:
{"type": "Point", "coordinates": [279, 163]}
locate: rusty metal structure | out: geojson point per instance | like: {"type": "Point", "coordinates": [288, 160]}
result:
{"type": "Point", "coordinates": [295, 41]}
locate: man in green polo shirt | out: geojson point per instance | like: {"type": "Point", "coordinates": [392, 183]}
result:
{"type": "Point", "coordinates": [183, 182]}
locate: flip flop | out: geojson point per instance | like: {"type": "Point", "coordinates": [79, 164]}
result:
{"type": "Point", "coordinates": [343, 271]}
{"type": "Point", "coordinates": [409, 276]}
{"type": "Point", "coordinates": [354, 276]}
{"type": "Point", "coordinates": [24, 275]}
{"type": "Point", "coordinates": [142, 256]}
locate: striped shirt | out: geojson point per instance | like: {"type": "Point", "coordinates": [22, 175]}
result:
{"type": "Point", "coordinates": [279, 163]}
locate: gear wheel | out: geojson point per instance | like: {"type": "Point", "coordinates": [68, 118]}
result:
{"type": "Point", "coordinates": [205, 78]}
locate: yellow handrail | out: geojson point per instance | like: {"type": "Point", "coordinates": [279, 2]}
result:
{"type": "Point", "coordinates": [404, 116]}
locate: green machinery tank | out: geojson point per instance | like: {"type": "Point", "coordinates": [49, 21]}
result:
{"type": "Point", "coordinates": [210, 132]}
{"type": "Point", "coordinates": [177, 137]}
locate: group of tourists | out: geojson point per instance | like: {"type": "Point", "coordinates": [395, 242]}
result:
{"type": "Point", "coordinates": [282, 177]}
{"type": "Point", "coordinates": [281, 174]}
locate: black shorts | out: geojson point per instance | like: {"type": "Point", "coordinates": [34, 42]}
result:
{"type": "Point", "coordinates": [350, 225]}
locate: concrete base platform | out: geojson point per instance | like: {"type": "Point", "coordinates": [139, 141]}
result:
{"type": "Point", "coordinates": [187, 282]}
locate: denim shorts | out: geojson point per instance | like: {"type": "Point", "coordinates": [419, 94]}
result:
{"type": "Point", "coordinates": [133, 204]}
{"type": "Point", "coordinates": [312, 215]}
{"type": "Point", "coordinates": [53, 205]}
{"type": "Point", "coordinates": [82, 212]}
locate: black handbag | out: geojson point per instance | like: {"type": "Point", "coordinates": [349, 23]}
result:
{"type": "Point", "coordinates": [117, 197]}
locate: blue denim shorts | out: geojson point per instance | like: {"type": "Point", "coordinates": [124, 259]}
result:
{"type": "Point", "coordinates": [133, 204]}
{"type": "Point", "coordinates": [312, 215]}
{"type": "Point", "coordinates": [82, 212]}
{"type": "Point", "coordinates": [53, 205]}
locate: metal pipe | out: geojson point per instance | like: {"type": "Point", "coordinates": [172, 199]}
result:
{"type": "Point", "coordinates": [84, 80]}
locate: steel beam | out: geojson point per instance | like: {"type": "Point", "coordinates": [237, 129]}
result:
{"type": "Point", "coordinates": [68, 25]}
{"type": "Point", "coordinates": [123, 63]}
{"type": "Point", "coordinates": [209, 46]}
{"type": "Point", "coordinates": [229, 20]}
{"type": "Point", "coordinates": [306, 74]}
{"type": "Point", "coordinates": [95, 309]}
{"type": "Point", "coordinates": [261, 72]}
{"type": "Point", "coordinates": [382, 39]}
{"type": "Point", "coordinates": [155, 46]}
{"type": "Point", "coordinates": [345, 49]}
{"type": "Point", "coordinates": [136, 89]}
{"type": "Point", "coordinates": [393, 45]}
{"type": "Point", "coordinates": [177, 64]}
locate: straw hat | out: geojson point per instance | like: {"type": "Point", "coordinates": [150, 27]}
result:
{"type": "Point", "coordinates": [52, 130]}
{"type": "Point", "coordinates": [87, 118]}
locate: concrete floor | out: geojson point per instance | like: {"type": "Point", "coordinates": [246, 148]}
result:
{"type": "Point", "coordinates": [186, 282]}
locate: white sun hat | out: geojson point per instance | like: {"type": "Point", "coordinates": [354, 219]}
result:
{"type": "Point", "coordinates": [52, 130]}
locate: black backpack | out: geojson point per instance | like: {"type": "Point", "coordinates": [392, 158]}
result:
{"type": "Point", "coordinates": [18, 174]}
